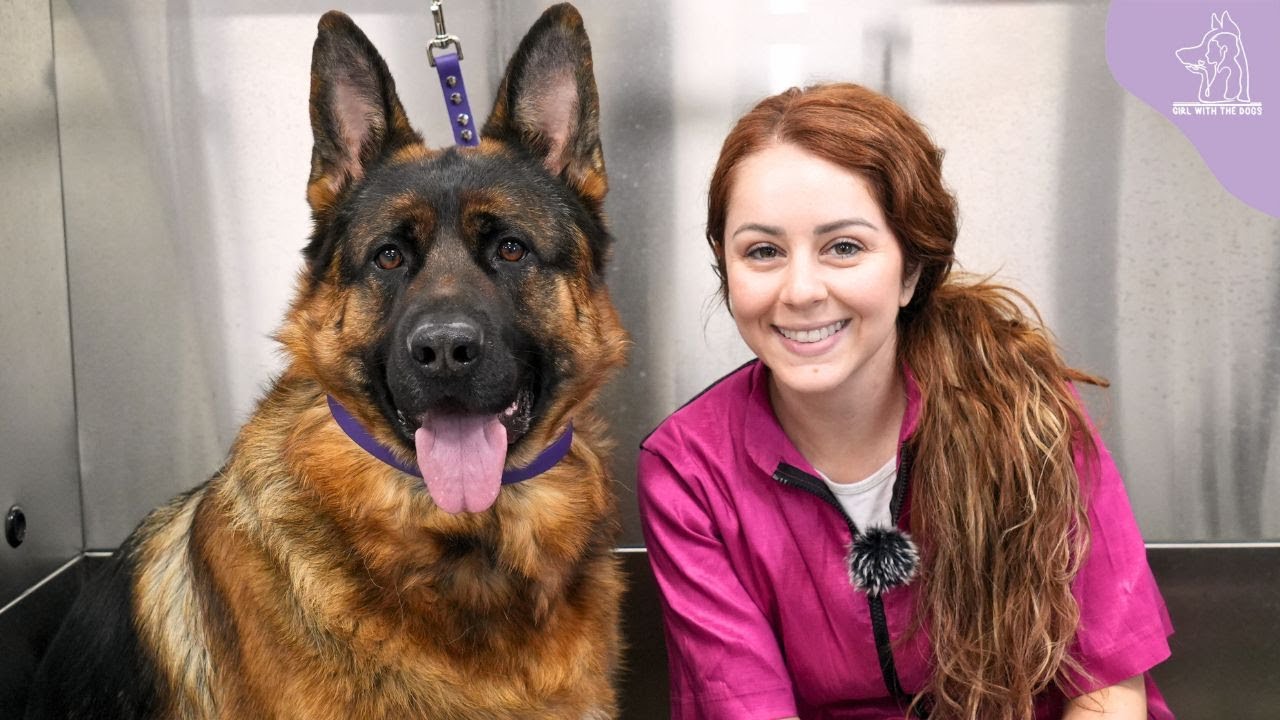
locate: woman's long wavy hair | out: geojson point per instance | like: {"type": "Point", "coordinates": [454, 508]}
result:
{"type": "Point", "coordinates": [996, 504]}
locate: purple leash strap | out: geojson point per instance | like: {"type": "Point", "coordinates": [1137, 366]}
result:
{"type": "Point", "coordinates": [451, 84]}
{"type": "Point", "coordinates": [546, 460]}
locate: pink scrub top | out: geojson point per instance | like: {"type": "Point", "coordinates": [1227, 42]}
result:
{"type": "Point", "coordinates": [760, 618]}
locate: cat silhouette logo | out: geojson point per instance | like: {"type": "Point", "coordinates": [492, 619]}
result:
{"type": "Point", "coordinates": [1220, 62]}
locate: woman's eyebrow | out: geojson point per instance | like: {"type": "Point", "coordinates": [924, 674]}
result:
{"type": "Point", "coordinates": [841, 224]}
{"type": "Point", "coordinates": [770, 230]}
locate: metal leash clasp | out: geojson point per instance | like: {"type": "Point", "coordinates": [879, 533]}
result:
{"type": "Point", "coordinates": [442, 39]}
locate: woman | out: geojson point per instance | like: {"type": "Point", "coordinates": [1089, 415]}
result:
{"type": "Point", "coordinates": [886, 397]}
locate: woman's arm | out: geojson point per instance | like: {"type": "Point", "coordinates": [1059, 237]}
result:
{"type": "Point", "coordinates": [1126, 700]}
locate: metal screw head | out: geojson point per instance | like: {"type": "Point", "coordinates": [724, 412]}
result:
{"type": "Point", "coordinates": [463, 119]}
{"type": "Point", "coordinates": [455, 98]}
{"type": "Point", "coordinates": [451, 80]}
{"type": "Point", "coordinates": [466, 135]}
{"type": "Point", "coordinates": [15, 526]}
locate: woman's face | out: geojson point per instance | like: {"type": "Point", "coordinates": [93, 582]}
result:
{"type": "Point", "coordinates": [815, 275]}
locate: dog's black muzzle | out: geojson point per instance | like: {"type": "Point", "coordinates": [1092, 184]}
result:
{"type": "Point", "coordinates": [452, 360]}
{"type": "Point", "coordinates": [455, 358]}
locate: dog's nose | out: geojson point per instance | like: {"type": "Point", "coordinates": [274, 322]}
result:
{"type": "Point", "coordinates": [446, 346]}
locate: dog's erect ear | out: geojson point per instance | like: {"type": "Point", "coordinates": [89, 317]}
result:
{"type": "Point", "coordinates": [547, 102]}
{"type": "Point", "coordinates": [356, 117]}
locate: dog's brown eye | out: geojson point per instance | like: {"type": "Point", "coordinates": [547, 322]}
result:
{"type": "Point", "coordinates": [389, 257]}
{"type": "Point", "coordinates": [512, 250]}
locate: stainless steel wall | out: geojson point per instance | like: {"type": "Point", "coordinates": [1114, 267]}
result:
{"type": "Point", "coordinates": [38, 467]}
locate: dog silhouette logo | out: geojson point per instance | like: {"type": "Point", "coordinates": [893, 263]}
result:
{"type": "Point", "coordinates": [1220, 62]}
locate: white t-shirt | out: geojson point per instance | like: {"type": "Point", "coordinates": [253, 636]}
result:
{"type": "Point", "coordinates": [867, 501]}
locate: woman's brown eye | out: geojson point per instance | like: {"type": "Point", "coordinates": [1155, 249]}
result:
{"type": "Point", "coordinates": [511, 250]}
{"type": "Point", "coordinates": [390, 258]}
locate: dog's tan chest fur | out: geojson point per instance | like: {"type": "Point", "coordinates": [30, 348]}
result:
{"type": "Point", "coordinates": [295, 624]}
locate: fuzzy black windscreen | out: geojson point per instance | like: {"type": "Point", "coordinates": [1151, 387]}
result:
{"type": "Point", "coordinates": [880, 559]}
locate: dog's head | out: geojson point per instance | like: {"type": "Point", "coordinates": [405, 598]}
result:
{"type": "Point", "coordinates": [454, 300]}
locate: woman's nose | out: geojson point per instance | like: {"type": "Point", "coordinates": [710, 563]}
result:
{"type": "Point", "coordinates": [803, 284]}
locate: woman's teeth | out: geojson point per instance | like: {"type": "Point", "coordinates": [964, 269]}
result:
{"type": "Point", "coordinates": [813, 336]}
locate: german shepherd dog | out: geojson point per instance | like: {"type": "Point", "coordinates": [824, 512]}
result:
{"type": "Point", "coordinates": [453, 304]}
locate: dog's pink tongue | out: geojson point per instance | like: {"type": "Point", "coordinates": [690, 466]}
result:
{"type": "Point", "coordinates": [461, 459]}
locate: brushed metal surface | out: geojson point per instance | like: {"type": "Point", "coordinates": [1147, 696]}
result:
{"type": "Point", "coordinates": [1226, 615]}
{"type": "Point", "coordinates": [185, 146]}
{"type": "Point", "coordinates": [38, 466]}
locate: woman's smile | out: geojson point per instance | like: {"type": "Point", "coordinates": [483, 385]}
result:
{"type": "Point", "coordinates": [814, 341]}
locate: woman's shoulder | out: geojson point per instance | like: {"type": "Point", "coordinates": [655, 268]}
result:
{"type": "Point", "coordinates": [708, 415]}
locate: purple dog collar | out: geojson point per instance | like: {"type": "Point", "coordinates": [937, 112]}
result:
{"type": "Point", "coordinates": [546, 460]}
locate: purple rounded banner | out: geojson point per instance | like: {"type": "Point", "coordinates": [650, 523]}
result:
{"type": "Point", "coordinates": [1213, 68]}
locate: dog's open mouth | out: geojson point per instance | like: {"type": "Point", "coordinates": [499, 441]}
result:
{"type": "Point", "coordinates": [461, 455]}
